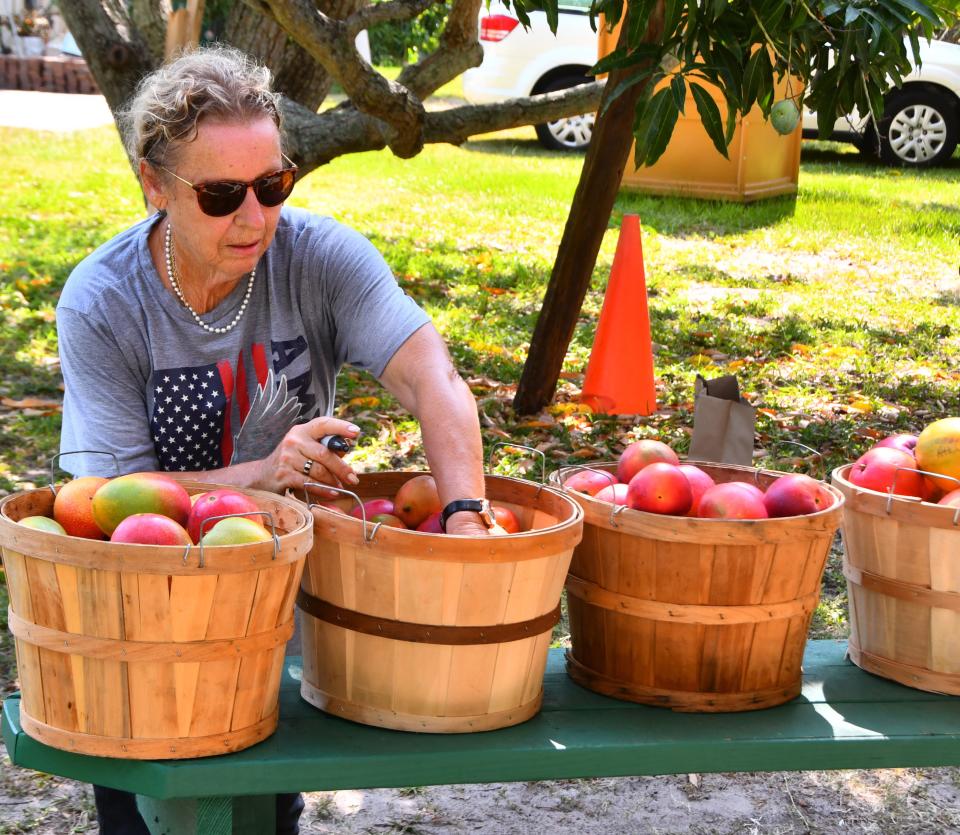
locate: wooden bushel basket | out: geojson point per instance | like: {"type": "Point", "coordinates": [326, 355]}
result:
{"type": "Point", "coordinates": [700, 615]}
{"type": "Point", "coordinates": [135, 651]}
{"type": "Point", "coordinates": [902, 563]}
{"type": "Point", "coordinates": [433, 633]}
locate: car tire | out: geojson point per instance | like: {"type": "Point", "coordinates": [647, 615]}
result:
{"type": "Point", "coordinates": [920, 128]}
{"type": "Point", "coordinates": [572, 133]}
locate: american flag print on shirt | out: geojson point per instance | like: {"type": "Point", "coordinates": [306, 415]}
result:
{"type": "Point", "coordinates": [195, 408]}
{"type": "Point", "coordinates": [189, 410]}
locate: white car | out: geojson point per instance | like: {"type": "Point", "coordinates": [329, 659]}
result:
{"type": "Point", "coordinates": [920, 124]}
{"type": "Point", "coordinates": [519, 62]}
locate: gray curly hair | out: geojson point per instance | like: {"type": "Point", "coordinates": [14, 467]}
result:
{"type": "Point", "coordinates": [216, 82]}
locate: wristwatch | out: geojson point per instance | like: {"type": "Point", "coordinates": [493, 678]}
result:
{"type": "Point", "coordinates": [481, 506]}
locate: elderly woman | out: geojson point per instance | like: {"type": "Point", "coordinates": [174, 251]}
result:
{"type": "Point", "coordinates": [208, 336]}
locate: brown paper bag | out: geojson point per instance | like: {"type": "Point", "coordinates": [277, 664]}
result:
{"type": "Point", "coordinates": [723, 423]}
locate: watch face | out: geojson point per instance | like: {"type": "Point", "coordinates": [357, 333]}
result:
{"type": "Point", "coordinates": [486, 513]}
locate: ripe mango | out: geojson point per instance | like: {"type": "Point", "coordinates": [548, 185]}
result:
{"type": "Point", "coordinates": [236, 530]}
{"type": "Point", "coordinates": [43, 523]}
{"type": "Point", "coordinates": [139, 493]}
{"type": "Point", "coordinates": [73, 507]}
{"type": "Point", "coordinates": [150, 529]}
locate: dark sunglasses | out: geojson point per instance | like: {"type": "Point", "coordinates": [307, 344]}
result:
{"type": "Point", "coordinates": [223, 197]}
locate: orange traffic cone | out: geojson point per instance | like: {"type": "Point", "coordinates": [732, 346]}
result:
{"type": "Point", "coordinates": [620, 373]}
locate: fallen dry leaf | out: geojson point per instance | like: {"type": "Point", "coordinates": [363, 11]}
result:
{"type": "Point", "coordinates": [369, 402]}
{"type": "Point", "coordinates": [31, 403]}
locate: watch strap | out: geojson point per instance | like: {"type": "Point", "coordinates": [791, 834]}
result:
{"type": "Point", "coordinates": [481, 506]}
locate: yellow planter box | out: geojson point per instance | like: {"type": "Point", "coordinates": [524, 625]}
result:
{"type": "Point", "coordinates": [761, 163]}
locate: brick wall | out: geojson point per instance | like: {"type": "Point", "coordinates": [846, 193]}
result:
{"type": "Point", "coordinates": [60, 74]}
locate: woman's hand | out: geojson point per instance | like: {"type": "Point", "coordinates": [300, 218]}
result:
{"type": "Point", "coordinates": [466, 523]}
{"type": "Point", "coordinates": [286, 467]}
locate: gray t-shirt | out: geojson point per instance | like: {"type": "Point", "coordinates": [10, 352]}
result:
{"type": "Point", "coordinates": [144, 381]}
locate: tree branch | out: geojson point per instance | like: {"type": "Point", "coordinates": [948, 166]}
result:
{"type": "Point", "coordinates": [389, 11]}
{"type": "Point", "coordinates": [314, 139]}
{"type": "Point", "coordinates": [457, 124]}
{"type": "Point", "coordinates": [327, 41]}
{"type": "Point", "coordinates": [458, 50]}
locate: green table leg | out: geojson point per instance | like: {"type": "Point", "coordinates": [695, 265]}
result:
{"type": "Point", "coordinates": [249, 815]}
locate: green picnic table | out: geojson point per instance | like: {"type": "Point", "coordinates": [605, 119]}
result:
{"type": "Point", "coordinates": [845, 718]}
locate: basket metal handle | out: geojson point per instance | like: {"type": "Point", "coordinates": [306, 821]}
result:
{"type": "Point", "coordinates": [207, 522]}
{"type": "Point", "coordinates": [367, 536]}
{"type": "Point", "coordinates": [817, 453]}
{"type": "Point", "coordinates": [511, 445]}
{"type": "Point", "coordinates": [56, 458]}
{"type": "Point", "coordinates": [616, 510]}
{"type": "Point", "coordinates": [892, 491]}
{"type": "Point", "coordinates": [573, 467]}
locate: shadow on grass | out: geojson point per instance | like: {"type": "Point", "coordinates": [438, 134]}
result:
{"type": "Point", "coordinates": [513, 147]}
{"type": "Point", "coordinates": [690, 217]}
{"type": "Point", "coordinates": [815, 152]}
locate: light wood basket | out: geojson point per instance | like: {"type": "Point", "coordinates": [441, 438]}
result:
{"type": "Point", "coordinates": [700, 615]}
{"type": "Point", "coordinates": [434, 633]}
{"type": "Point", "coordinates": [138, 652]}
{"type": "Point", "coordinates": [902, 564]}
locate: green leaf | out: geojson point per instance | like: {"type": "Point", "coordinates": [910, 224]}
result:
{"type": "Point", "coordinates": [710, 116]}
{"type": "Point", "coordinates": [654, 126]}
{"type": "Point", "coordinates": [719, 7]}
{"type": "Point", "coordinates": [918, 8]}
{"type": "Point", "coordinates": [672, 9]}
{"type": "Point", "coordinates": [876, 100]}
{"type": "Point", "coordinates": [553, 16]}
{"type": "Point", "coordinates": [850, 15]}
{"type": "Point", "coordinates": [757, 67]}
{"type": "Point", "coordinates": [626, 84]}
{"type": "Point", "coordinates": [731, 123]}
{"type": "Point", "coordinates": [620, 59]}
{"type": "Point", "coordinates": [826, 107]}
{"type": "Point", "coordinates": [915, 45]}
{"type": "Point", "coordinates": [730, 71]}
{"type": "Point", "coordinates": [679, 89]}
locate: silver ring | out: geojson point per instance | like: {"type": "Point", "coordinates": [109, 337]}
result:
{"type": "Point", "coordinates": [308, 466]}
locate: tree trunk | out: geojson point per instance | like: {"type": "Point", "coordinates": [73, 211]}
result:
{"type": "Point", "coordinates": [116, 52]}
{"type": "Point", "coordinates": [577, 255]}
{"type": "Point", "coordinates": [295, 73]}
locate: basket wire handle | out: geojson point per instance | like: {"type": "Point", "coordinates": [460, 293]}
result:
{"type": "Point", "coordinates": [367, 537]}
{"type": "Point", "coordinates": [206, 522]}
{"type": "Point", "coordinates": [511, 445]}
{"type": "Point", "coordinates": [574, 467]}
{"type": "Point", "coordinates": [617, 508]}
{"type": "Point", "coordinates": [776, 444]}
{"type": "Point", "coordinates": [56, 458]}
{"type": "Point", "coordinates": [891, 494]}
{"type": "Point", "coordinates": [616, 511]}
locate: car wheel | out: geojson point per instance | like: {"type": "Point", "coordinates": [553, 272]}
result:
{"type": "Point", "coordinates": [919, 128]}
{"type": "Point", "coordinates": [572, 133]}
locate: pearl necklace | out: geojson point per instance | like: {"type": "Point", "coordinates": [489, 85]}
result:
{"type": "Point", "coordinates": [172, 275]}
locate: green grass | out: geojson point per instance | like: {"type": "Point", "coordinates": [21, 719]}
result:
{"type": "Point", "coordinates": [839, 311]}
